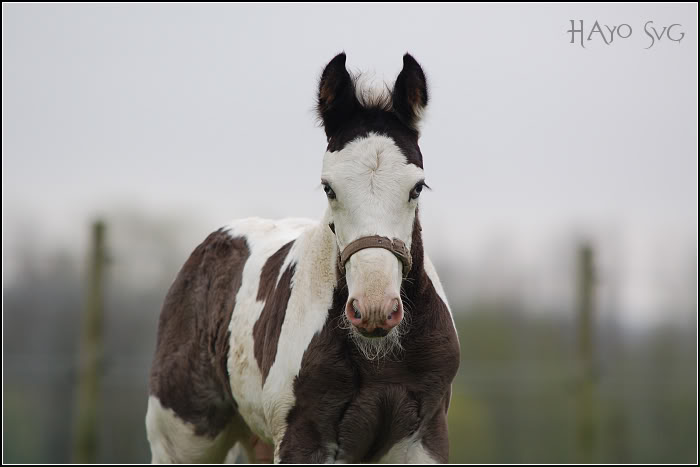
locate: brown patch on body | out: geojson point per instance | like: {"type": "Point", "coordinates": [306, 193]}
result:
{"type": "Point", "coordinates": [268, 327]}
{"type": "Point", "coordinates": [189, 372]}
{"type": "Point", "coordinates": [365, 407]}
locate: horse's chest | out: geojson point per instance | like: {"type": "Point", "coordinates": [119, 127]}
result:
{"type": "Point", "coordinates": [357, 410]}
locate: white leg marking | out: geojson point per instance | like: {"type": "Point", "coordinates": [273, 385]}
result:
{"type": "Point", "coordinates": [174, 441]}
{"type": "Point", "coordinates": [408, 451]}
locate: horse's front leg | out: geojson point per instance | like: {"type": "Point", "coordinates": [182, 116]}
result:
{"type": "Point", "coordinates": [434, 445]}
{"type": "Point", "coordinates": [431, 446]}
{"type": "Point", "coordinates": [305, 445]}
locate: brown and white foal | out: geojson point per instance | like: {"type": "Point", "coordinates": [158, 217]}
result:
{"type": "Point", "coordinates": [307, 341]}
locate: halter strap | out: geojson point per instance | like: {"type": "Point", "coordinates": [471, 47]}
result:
{"type": "Point", "coordinates": [396, 246]}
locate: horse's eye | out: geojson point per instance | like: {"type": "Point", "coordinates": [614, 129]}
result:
{"type": "Point", "coordinates": [415, 192]}
{"type": "Point", "coordinates": [329, 191]}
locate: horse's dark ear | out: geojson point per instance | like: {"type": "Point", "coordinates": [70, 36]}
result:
{"type": "Point", "coordinates": [336, 95]}
{"type": "Point", "coordinates": [410, 95]}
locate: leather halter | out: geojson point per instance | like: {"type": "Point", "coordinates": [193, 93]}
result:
{"type": "Point", "coordinates": [396, 246]}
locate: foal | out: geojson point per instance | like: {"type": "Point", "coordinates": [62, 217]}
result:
{"type": "Point", "coordinates": [327, 341]}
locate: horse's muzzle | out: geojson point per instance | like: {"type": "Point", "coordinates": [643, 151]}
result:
{"type": "Point", "coordinates": [374, 320]}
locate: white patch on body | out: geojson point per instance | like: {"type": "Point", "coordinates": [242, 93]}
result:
{"type": "Point", "coordinates": [264, 238]}
{"type": "Point", "coordinates": [313, 253]}
{"type": "Point", "coordinates": [307, 311]}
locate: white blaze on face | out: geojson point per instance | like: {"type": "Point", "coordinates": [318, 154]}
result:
{"type": "Point", "coordinates": [372, 181]}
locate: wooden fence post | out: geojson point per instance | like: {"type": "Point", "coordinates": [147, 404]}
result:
{"type": "Point", "coordinates": [585, 309]}
{"type": "Point", "coordinates": [91, 349]}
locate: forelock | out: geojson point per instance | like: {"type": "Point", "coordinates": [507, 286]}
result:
{"type": "Point", "coordinates": [371, 95]}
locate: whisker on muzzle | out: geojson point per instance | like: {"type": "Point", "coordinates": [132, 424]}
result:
{"type": "Point", "coordinates": [377, 349]}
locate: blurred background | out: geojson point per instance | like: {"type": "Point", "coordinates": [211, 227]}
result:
{"type": "Point", "coordinates": [562, 220]}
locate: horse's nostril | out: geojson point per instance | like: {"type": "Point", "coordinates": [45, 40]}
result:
{"type": "Point", "coordinates": [355, 307]}
{"type": "Point", "coordinates": [396, 307]}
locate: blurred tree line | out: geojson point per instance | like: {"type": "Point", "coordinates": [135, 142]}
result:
{"type": "Point", "coordinates": [517, 398]}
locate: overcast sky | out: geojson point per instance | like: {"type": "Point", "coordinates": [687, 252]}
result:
{"type": "Point", "coordinates": [207, 111]}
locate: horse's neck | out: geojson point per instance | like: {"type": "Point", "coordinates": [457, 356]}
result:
{"type": "Point", "coordinates": [416, 277]}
